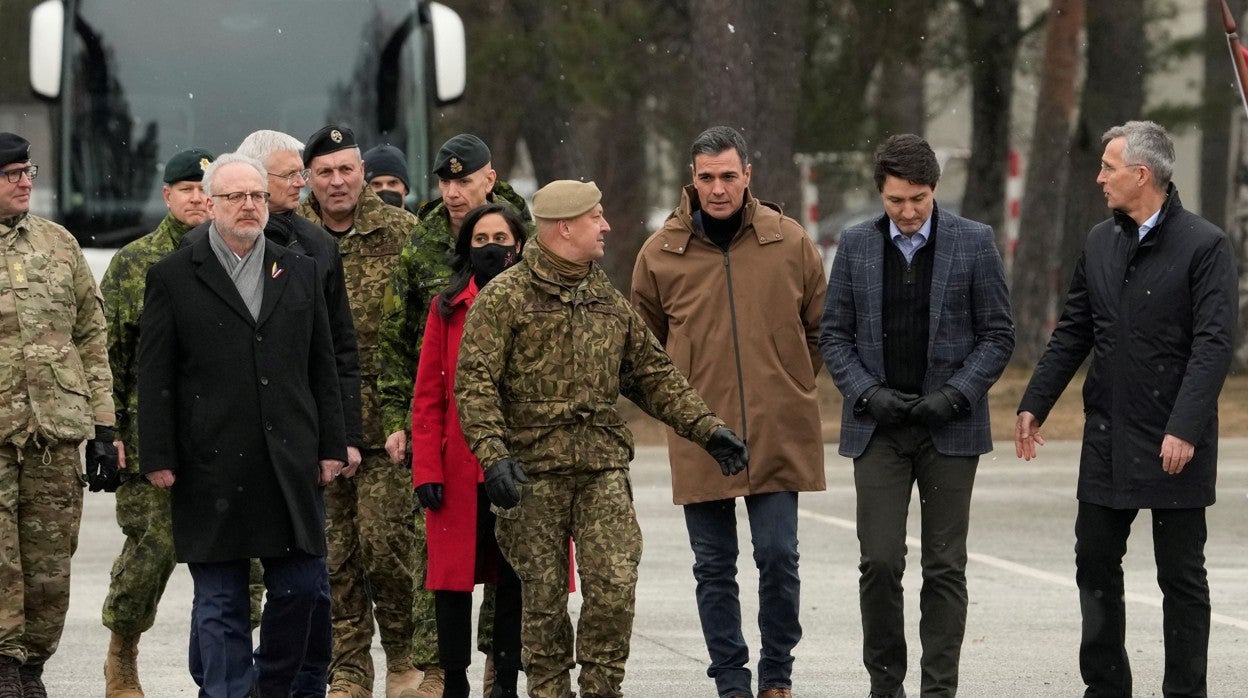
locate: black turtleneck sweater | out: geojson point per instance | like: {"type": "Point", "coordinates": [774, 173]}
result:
{"type": "Point", "coordinates": [720, 232]}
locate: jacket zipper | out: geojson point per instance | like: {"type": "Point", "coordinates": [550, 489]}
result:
{"type": "Point", "coordinates": [736, 351]}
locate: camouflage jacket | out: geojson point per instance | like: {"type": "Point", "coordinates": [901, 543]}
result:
{"type": "Point", "coordinates": [54, 377]}
{"type": "Point", "coordinates": [370, 257]}
{"type": "Point", "coordinates": [541, 367]}
{"type": "Point", "coordinates": [424, 270]}
{"type": "Point", "coordinates": [123, 286]}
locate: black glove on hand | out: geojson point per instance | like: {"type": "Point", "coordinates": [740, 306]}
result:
{"type": "Point", "coordinates": [102, 473]}
{"type": "Point", "coordinates": [430, 495]}
{"type": "Point", "coordinates": [502, 482]}
{"type": "Point", "coordinates": [891, 407]}
{"type": "Point", "coordinates": [939, 407]}
{"type": "Point", "coordinates": [728, 451]}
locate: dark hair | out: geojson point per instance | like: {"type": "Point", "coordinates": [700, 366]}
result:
{"type": "Point", "coordinates": [716, 140]}
{"type": "Point", "coordinates": [906, 156]}
{"type": "Point", "coordinates": [461, 259]}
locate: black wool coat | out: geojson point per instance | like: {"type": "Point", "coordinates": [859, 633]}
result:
{"type": "Point", "coordinates": [301, 235]}
{"type": "Point", "coordinates": [241, 410]}
{"type": "Point", "coordinates": [1157, 315]}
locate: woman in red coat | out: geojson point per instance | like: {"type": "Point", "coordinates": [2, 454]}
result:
{"type": "Point", "coordinates": [447, 476]}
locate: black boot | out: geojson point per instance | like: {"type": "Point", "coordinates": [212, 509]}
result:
{"type": "Point", "coordinates": [10, 677]}
{"type": "Point", "coordinates": [32, 680]}
{"type": "Point", "coordinates": [453, 614]}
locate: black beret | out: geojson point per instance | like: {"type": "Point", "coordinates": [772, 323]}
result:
{"type": "Point", "coordinates": [187, 166]}
{"type": "Point", "coordinates": [329, 139]}
{"type": "Point", "coordinates": [13, 148]}
{"type": "Point", "coordinates": [385, 160]}
{"type": "Point", "coordinates": [461, 156]}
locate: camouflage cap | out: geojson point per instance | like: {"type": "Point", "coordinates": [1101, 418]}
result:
{"type": "Point", "coordinates": [461, 156]}
{"type": "Point", "coordinates": [187, 166]}
{"type": "Point", "coordinates": [330, 139]}
{"type": "Point", "coordinates": [385, 160]}
{"type": "Point", "coordinates": [565, 198]}
{"type": "Point", "coordinates": [13, 148]}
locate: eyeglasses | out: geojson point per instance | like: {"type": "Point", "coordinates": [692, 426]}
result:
{"type": "Point", "coordinates": [290, 177]}
{"type": "Point", "coordinates": [236, 198]}
{"type": "Point", "coordinates": [1110, 169]}
{"type": "Point", "coordinates": [15, 176]}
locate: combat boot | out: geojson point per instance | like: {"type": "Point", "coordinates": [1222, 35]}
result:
{"type": "Point", "coordinates": [347, 689]}
{"type": "Point", "coordinates": [32, 680]}
{"type": "Point", "coordinates": [403, 682]}
{"type": "Point", "coordinates": [121, 667]}
{"type": "Point", "coordinates": [487, 679]}
{"type": "Point", "coordinates": [433, 683]}
{"type": "Point", "coordinates": [10, 677]}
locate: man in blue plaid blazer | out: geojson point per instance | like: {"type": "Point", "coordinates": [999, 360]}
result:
{"type": "Point", "coordinates": [916, 328]}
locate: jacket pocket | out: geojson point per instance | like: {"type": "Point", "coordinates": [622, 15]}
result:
{"type": "Point", "coordinates": [793, 355]}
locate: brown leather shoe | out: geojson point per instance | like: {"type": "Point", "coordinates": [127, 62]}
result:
{"type": "Point", "coordinates": [777, 692]}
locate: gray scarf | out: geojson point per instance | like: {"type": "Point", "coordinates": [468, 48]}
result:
{"type": "Point", "coordinates": [246, 272]}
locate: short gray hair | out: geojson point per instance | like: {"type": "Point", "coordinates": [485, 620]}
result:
{"type": "Point", "coordinates": [262, 144]}
{"type": "Point", "coordinates": [1148, 144]}
{"type": "Point", "coordinates": [716, 140]}
{"type": "Point", "coordinates": [210, 171]}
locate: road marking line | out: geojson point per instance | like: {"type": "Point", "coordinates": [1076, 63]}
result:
{"type": "Point", "coordinates": [1022, 570]}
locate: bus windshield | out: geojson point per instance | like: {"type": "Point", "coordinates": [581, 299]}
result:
{"type": "Point", "coordinates": [147, 78]}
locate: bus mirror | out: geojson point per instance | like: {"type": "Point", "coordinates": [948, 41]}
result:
{"type": "Point", "coordinates": [450, 63]}
{"type": "Point", "coordinates": [47, 34]}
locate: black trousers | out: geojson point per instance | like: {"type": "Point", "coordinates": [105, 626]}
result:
{"type": "Point", "coordinates": [884, 477]}
{"type": "Point", "coordinates": [1179, 551]}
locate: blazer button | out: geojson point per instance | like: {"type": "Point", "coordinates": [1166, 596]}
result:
{"type": "Point", "coordinates": [264, 380]}
{"type": "Point", "coordinates": [268, 426]}
{"type": "Point", "coordinates": [259, 337]}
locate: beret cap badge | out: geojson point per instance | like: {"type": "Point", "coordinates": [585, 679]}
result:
{"type": "Point", "coordinates": [335, 136]}
{"type": "Point", "coordinates": [456, 166]}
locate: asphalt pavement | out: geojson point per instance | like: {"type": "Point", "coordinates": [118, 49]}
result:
{"type": "Point", "coordinates": [1022, 631]}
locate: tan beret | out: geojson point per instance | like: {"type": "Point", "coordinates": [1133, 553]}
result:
{"type": "Point", "coordinates": [565, 198]}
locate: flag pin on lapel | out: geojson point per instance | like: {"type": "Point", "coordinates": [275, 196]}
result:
{"type": "Point", "coordinates": [276, 271]}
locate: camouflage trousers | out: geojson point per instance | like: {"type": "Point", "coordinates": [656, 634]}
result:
{"type": "Point", "coordinates": [596, 509]}
{"type": "Point", "coordinates": [376, 560]}
{"type": "Point", "coordinates": [40, 511]}
{"type": "Point", "coordinates": [147, 558]}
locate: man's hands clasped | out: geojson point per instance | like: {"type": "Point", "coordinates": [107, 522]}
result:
{"type": "Point", "coordinates": [729, 451]}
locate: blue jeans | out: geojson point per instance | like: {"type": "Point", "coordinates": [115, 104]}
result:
{"type": "Point", "coordinates": [712, 530]}
{"type": "Point", "coordinates": [220, 651]}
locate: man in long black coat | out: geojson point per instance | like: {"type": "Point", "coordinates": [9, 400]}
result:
{"type": "Point", "coordinates": [240, 416]}
{"type": "Point", "coordinates": [1154, 300]}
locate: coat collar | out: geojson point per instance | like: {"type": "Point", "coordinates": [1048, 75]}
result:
{"type": "Point", "coordinates": [274, 276]}
{"type": "Point", "coordinates": [759, 219]}
{"type": "Point", "coordinates": [1126, 225]}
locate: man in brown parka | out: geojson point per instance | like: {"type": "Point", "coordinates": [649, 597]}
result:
{"type": "Point", "coordinates": [734, 291]}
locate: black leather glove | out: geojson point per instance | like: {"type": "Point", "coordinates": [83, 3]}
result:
{"type": "Point", "coordinates": [503, 481]}
{"type": "Point", "coordinates": [102, 473]}
{"type": "Point", "coordinates": [890, 406]}
{"type": "Point", "coordinates": [430, 495]}
{"type": "Point", "coordinates": [939, 407]}
{"type": "Point", "coordinates": [728, 450]}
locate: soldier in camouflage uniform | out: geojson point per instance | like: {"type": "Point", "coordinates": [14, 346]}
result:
{"type": "Point", "coordinates": [548, 348]}
{"type": "Point", "coordinates": [55, 391]}
{"type": "Point", "coordinates": [466, 180]}
{"type": "Point", "coordinates": [370, 518]}
{"type": "Point", "coordinates": [142, 569]}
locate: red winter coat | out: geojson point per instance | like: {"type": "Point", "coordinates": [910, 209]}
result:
{"type": "Point", "coordinates": [440, 454]}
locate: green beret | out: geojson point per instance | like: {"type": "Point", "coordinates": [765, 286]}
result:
{"type": "Point", "coordinates": [565, 198]}
{"type": "Point", "coordinates": [187, 166]}
{"type": "Point", "coordinates": [13, 148]}
{"type": "Point", "coordinates": [330, 139]}
{"type": "Point", "coordinates": [461, 156]}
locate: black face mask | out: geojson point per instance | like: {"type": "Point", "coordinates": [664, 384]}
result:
{"type": "Point", "coordinates": [491, 259]}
